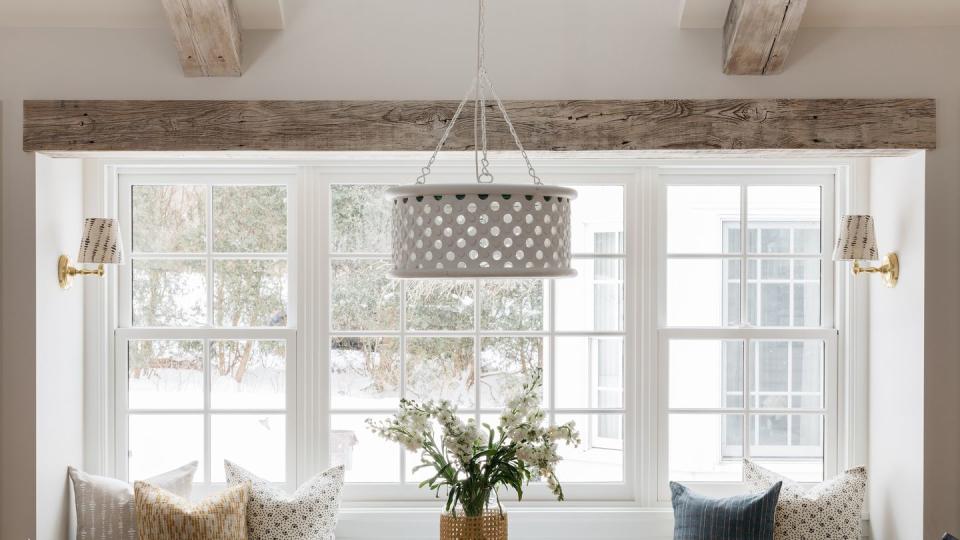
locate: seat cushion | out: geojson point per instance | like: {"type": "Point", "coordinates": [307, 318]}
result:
{"type": "Point", "coordinates": [743, 517]}
{"type": "Point", "coordinates": [161, 515]}
{"type": "Point", "coordinates": [830, 509]}
{"type": "Point", "coordinates": [105, 505]}
{"type": "Point", "coordinates": [310, 513]}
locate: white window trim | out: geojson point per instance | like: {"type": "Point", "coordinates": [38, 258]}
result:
{"type": "Point", "coordinates": [125, 178]}
{"type": "Point", "coordinates": [644, 510]}
{"type": "Point", "coordinates": [829, 179]}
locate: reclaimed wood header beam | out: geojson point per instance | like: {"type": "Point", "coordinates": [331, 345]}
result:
{"type": "Point", "coordinates": [207, 34]}
{"type": "Point", "coordinates": [713, 124]}
{"type": "Point", "coordinates": [758, 34]}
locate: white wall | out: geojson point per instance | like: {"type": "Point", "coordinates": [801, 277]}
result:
{"type": "Point", "coordinates": [59, 343]}
{"type": "Point", "coordinates": [896, 388]}
{"type": "Point", "coordinates": [422, 49]}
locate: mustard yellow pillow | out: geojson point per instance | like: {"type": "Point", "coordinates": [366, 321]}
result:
{"type": "Point", "coordinates": [161, 515]}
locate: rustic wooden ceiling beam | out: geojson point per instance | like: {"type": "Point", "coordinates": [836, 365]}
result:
{"type": "Point", "coordinates": [710, 124]}
{"type": "Point", "coordinates": [758, 34]}
{"type": "Point", "coordinates": [207, 34]}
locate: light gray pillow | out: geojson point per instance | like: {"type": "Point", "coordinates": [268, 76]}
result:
{"type": "Point", "coordinates": [105, 505]}
{"type": "Point", "coordinates": [310, 513]}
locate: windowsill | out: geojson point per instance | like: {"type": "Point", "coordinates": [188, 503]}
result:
{"type": "Point", "coordinates": [530, 522]}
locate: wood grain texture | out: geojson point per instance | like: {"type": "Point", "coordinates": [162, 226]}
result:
{"type": "Point", "coordinates": [758, 34]}
{"type": "Point", "coordinates": [717, 124]}
{"type": "Point", "coordinates": [207, 35]}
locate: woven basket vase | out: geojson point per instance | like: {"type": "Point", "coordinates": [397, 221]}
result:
{"type": "Point", "coordinates": [492, 525]}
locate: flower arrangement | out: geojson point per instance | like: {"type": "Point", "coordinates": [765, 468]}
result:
{"type": "Point", "coordinates": [473, 462]}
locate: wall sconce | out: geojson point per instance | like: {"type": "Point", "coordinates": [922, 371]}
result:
{"type": "Point", "coordinates": [858, 242]}
{"type": "Point", "coordinates": [100, 245]}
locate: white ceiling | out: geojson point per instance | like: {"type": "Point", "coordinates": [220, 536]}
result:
{"type": "Point", "coordinates": [840, 13]}
{"type": "Point", "coordinates": [255, 14]}
{"type": "Point", "coordinates": [269, 14]}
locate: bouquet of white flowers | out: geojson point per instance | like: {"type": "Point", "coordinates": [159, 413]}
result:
{"type": "Point", "coordinates": [473, 462]}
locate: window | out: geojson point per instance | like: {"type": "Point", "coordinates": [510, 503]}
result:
{"type": "Point", "coordinates": [746, 334]}
{"type": "Point", "coordinates": [255, 322]}
{"type": "Point", "coordinates": [206, 344]}
{"type": "Point", "coordinates": [474, 341]}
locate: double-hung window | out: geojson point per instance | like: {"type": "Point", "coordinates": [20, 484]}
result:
{"type": "Point", "coordinates": [747, 346]}
{"type": "Point", "coordinates": [206, 338]}
{"type": "Point", "coordinates": [474, 341]}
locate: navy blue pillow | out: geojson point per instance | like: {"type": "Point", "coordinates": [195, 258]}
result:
{"type": "Point", "coordinates": [744, 517]}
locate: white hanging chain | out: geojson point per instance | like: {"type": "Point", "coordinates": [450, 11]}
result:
{"type": "Point", "coordinates": [446, 133]}
{"type": "Point", "coordinates": [481, 80]}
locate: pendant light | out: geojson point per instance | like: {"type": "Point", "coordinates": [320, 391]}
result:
{"type": "Point", "coordinates": [477, 229]}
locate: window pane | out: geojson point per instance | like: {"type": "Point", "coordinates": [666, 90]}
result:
{"type": "Point", "coordinates": [165, 374]}
{"type": "Point", "coordinates": [363, 298]}
{"type": "Point", "coordinates": [807, 366]}
{"type": "Point", "coordinates": [774, 269]}
{"type": "Point", "coordinates": [250, 218]}
{"type": "Point", "coordinates": [250, 293]}
{"type": "Point", "coordinates": [798, 470]}
{"type": "Point", "coordinates": [770, 366]}
{"type": "Point", "coordinates": [705, 374]}
{"type": "Point", "coordinates": [592, 301]}
{"type": "Point", "coordinates": [774, 304]}
{"type": "Point", "coordinates": [364, 373]}
{"type": "Point", "coordinates": [703, 219]}
{"type": "Point", "coordinates": [696, 291]}
{"type": "Point", "coordinates": [169, 293]}
{"type": "Point", "coordinates": [441, 368]}
{"type": "Point", "coordinates": [793, 444]}
{"type": "Point", "coordinates": [169, 219]}
{"type": "Point", "coordinates": [513, 305]}
{"type": "Point", "coordinates": [806, 304]}
{"type": "Point", "coordinates": [440, 304]}
{"type": "Point", "coordinates": [161, 442]}
{"type": "Point", "coordinates": [806, 240]}
{"type": "Point", "coordinates": [248, 374]}
{"type": "Point", "coordinates": [777, 210]}
{"type": "Point", "coordinates": [256, 442]}
{"type": "Point", "coordinates": [359, 215]}
{"type": "Point", "coordinates": [589, 370]}
{"type": "Point", "coordinates": [506, 363]}
{"type": "Point", "coordinates": [599, 458]}
{"type": "Point", "coordinates": [596, 217]}
{"type": "Point", "coordinates": [705, 447]}
{"type": "Point", "coordinates": [366, 457]}
{"type": "Point", "coordinates": [806, 269]}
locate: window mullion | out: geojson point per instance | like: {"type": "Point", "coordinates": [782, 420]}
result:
{"type": "Point", "coordinates": [207, 421]}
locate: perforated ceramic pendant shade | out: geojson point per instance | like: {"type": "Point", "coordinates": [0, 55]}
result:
{"type": "Point", "coordinates": [481, 230]}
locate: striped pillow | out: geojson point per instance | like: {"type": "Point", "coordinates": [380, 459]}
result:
{"type": "Point", "coordinates": [161, 515]}
{"type": "Point", "coordinates": [744, 517]}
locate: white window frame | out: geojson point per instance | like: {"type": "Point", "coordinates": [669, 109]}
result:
{"type": "Point", "coordinates": [125, 332]}
{"type": "Point", "coordinates": [826, 178]}
{"type": "Point", "coordinates": [640, 505]}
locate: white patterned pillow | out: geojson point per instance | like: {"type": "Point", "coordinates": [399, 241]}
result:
{"type": "Point", "coordinates": [105, 505]}
{"type": "Point", "coordinates": [309, 514]}
{"type": "Point", "coordinates": [830, 509]}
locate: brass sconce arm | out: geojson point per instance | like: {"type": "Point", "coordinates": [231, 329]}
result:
{"type": "Point", "coordinates": [66, 272]}
{"type": "Point", "coordinates": [889, 269]}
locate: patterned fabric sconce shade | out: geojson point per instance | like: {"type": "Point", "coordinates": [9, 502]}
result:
{"type": "Point", "coordinates": [99, 245]}
{"type": "Point", "coordinates": [857, 242]}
